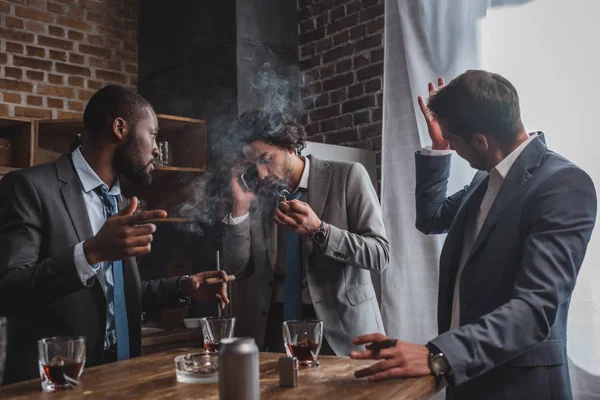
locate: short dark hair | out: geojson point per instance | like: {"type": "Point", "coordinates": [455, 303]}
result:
{"type": "Point", "coordinates": [479, 102]}
{"type": "Point", "coordinates": [275, 128]}
{"type": "Point", "coordinates": [109, 103]}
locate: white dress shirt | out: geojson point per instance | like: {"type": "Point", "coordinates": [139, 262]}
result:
{"type": "Point", "coordinates": [473, 226]}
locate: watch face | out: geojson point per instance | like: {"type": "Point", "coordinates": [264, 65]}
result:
{"type": "Point", "coordinates": [319, 237]}
{"type": "Point", "coordinates": [439, 365]}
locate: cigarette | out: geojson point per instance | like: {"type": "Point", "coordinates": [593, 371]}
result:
{"type": "Point", "coordinates": [212, 281]}
{"type": "Point", "coordinates": [384, 344]}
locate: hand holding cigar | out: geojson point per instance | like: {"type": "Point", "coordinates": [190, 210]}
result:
{"type": "Point", "coordinates": [213, 281]}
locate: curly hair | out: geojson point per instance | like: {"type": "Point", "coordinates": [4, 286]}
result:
{"type": "Point", "coordinates": [274, 128]}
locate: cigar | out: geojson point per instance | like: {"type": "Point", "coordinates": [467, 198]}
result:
{"type": "Point", "coordinates": [212, 281]}
{"type": "Point", "coordinates": [384, 344]}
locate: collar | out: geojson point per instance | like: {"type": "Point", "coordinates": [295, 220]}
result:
{"type": "Point", "coordinates": [504, 166]}
{"type": "Point", "coordinates": [88, 177]}
{"type": "Point", "coordinates": [303, 184]}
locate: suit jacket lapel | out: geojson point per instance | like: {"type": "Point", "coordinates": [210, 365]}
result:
{"type": "Point", "coordinates": [270, 234]}
{"type": "Point", "coordinates": [517, 177]}
{"type": "Point", "coordinates": [319, 180]}
{"type": "Point", "coordinates": [73, 199]}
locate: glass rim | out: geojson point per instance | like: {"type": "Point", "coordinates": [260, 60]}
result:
{"type": "Point", "coordinates": [216, 318]}
{"type": "Point", "coordinates": [62, 338]}
{"type": "Point", "coordinates": [302, 321]}
{"type": "Point", "coordinates": [181, 357]}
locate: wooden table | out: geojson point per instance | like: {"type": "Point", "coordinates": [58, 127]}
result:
{"type": "Point", "coordinates": [153, 377]}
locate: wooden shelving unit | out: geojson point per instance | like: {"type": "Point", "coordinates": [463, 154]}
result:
{"type": "Point", "coordinates": [18, 134]}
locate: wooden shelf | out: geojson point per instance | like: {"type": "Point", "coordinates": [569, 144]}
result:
{"type": "Point", "coordinates": [179, 169]}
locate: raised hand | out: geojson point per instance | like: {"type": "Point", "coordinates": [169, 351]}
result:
{"type": "Point", "coordinates": [241, 198]}
{"type": "Point", "coordinates": [197, 287]}
{"type": "Point", "coordinates": [123, 235]}
{"type": "Point", "coordinates": [433, 126]}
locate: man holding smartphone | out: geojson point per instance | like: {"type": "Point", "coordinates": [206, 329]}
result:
{"type": "Point", "coordinates": [310, 252]}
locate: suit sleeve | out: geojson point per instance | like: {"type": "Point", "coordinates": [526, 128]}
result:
{"type": "Point", "coordinates": [559, 225]}
{"type": "Point", "coordinates": [25, 281]}
{"type": "Point", "coordinates": [160, 293]}
{"type": "Point", "coordinates": [435, 211]}
{"type": "Point", "coordinates": [364, 244]}
{"type": "Point", "coordinates": [236, 248]}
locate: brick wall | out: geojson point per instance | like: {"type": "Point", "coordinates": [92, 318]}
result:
{"type": "Point", "coordinates": [341, 57]}
{"type": "Point", "coordinates": [55, 54]}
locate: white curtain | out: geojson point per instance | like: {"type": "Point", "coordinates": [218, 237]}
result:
{"type": "Point", "coordinates": [548, 48]}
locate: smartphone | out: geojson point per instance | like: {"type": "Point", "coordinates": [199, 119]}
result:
{"type": "Point", "coordinates": [248, 179]}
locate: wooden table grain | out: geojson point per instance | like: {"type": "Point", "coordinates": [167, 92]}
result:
{"type": "Point", "coordinates": [153, 377]}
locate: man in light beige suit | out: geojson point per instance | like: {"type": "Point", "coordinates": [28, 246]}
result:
{"type": "Point", "coordinates": [309, 257]}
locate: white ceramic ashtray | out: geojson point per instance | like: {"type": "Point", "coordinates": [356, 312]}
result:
{"type": "Point", "coordinates": [192, 323]}
{"type": "Point", "coordinates": [197, 367]}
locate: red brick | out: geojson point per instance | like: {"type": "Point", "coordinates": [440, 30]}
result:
{"type": "Point", "coordinates": [338, 95]}
{"type": "Point", "coordinates": [338, 82]}
{"type": "Point", "coordinates": [4, 8]}
{"type": "Point", "coordinates": [342, 136]}
{"type": "Point", "coordinates": [56, 31]}
{"type": "Point", "coordinates": [34, 101]}
{"type": "Point", "coordinates": [37, 15]}
{"type": "Point", "coordinates": [97, 17]}
{"type": "Point", "coordinates": [78, 24]}
{"type": "Point", "coordinates": [32, 63]}
{"type": "Point", "coordinates": [355, 90]}
{"type": "Point", "coordinates": [114, 65]}
{"type": "Point", "coordinates": [96, 62]}
{"type": "Point", "coordinates": [312, 129]}
{"type": "Point", "coordinates": [59, 91]}
{"type": "Point", "coordinates": [58, 55]}
{"type": "Point", "coordinates": [75, 106]}
{"type": "Point", "coordinates": [93, 5]}
{"type": "Point", "coordinates": [55, 79]}
{"type": "Point", "coordinates": [377, 55]}
{"type": "Point", "coordinates": [311, 62]}
{"type": "Point", "coordinates": [343, 66]}
{"type": "Point", "coordinates": [68, 2]}
{"type": "Point", "coordinates": [354, 6]}
{"type": "Point", "coordinates": [338, 52]}
{"type": "Point", "coordinates": [371, 71]}
{"type": "Point", "coordinates": [341, 37]}
{"type": "Point", "coordinates": [117, 44]}
{"type": "Point", "coordinates": [15, 73]}
{"type": "Point", "coordinates": [318, 138]}
{"type": "Point", "coordinates": [74, 35]}
{"type": "Point", "coordinates": [37, 27]}
{"type": "Point", "coordinates": [55, 8]}
{"type": "Point", "coordinates": [360, 61]}
{"type": "Point", "coordinates": [344, 23]}
{"type": "Point", "coordinates": [113, 22]}
{"type": "Point", "coordinates": [324, 44]}
{"type": "Point", "coordinates": [131, 68]}
{"type": "Point", "coordinates": [311, 89]}
{"type": "Point", "coordinates": [372, 12]}
{"type": "Point", "coordinates": [3, 58]}
{"type": "Point", "coordinates": [126, 57]}
{"type": "Point", "coordinates": [14, 48]}
{"type": "Point", "coordinates": [72, 69]}
{"type": "Point", "coordinates": [373, 85]}
{"type": "Point", "coordinates": [377, 114]}
{"type": "Point", "coordinates": [95, 50]}
{"type": "Point", "coordinates": [94, 85]}
{"type": "Point", "coordinates": [77, 13]}
{"type": "Point", "coordinates": [376, 25]}
{"type": "Point", "coordinates": [370, 131]}
{"type": "Point", "coordinates": [32, 112]}
{"type": "Point", "coordinates": [55, 103]}
{"type": "Point", "coordinates": [17, 36]}
{"type": "Point", "coordinates": [369, 42]}
{"type": "Point", "coordinates": [54, 42]}
{"type": "Point", "coordinates": [96, 40]}
{"type": "Point", "coordinates": [307, 50]}
{"type": "Point", "coordinates": [37, 3]}
{"type": "Point", "coordinates": [369, 3]}
{"type": "Point", "coordinates": [36, 51]}
{"type": "Point", "coordinates": [358, 32]}
{"type": "Point", "coordinates": [325, 113]}
{"type": "Point", "coordinates": [322, 100]}
{"type": "Point", "coordinates": [4, 110]}
{"type": "Point", "coordinates": [76, 81]}
{"type": "Point", "coordinates": [85, 94]}
{"type": "Point", "coordinates": [311, 36]}
{"type": "Point", "coordinates": [361, 118]}
{"type": "Point", "coordinates": [327, 71]}
{"type": "Point", "coordinates": [68, 115]}
{"type": "Point", "coordinates": [110, 76]}
{"type": "Point", "coordinates": [76, 59]}
{"type": "Point", "coordinates": [11, 22]}
{"type": "Point", "coordinates": [337, 13]}
{"type": "Point", "coordinates": [307, 25]}
{"type": "Point", "coordinates": [321, 20]}
{"type": "Point", "coordinates": [35, 75]}
{"type": "Point", "coordinates": [14, 98]}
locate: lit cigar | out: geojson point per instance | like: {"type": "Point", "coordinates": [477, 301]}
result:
{"type": "Point", "coordinates": [212, 281]}
{"type": "Point", "coordinates": [384, 344]}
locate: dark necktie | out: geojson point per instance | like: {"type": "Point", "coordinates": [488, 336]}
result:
{"type": "Point", "coordinates": [292, 305]}
{"type": "Point", "coordinates": [118, 290]}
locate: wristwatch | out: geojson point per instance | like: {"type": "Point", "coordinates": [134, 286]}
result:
{"type": "Point", "coordinates": [320, 234]}
{"type": "Point", "coordinates": [438, 364]}
{"type": "Point", "coordinates": [184, 299]}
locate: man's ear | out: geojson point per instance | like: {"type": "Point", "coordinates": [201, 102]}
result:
{"type": "Point", "coordinates": [120, 129]}
{"type": "Point", "coordinates": [480, 142]}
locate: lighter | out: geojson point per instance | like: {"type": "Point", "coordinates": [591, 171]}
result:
{"type": "Point", "coordinates": [288, 372]}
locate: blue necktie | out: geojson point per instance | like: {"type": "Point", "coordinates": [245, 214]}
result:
{"type": "Point", "coordinates": [121, 324]}
{"type": "Point", "coordinates": [292, 304]}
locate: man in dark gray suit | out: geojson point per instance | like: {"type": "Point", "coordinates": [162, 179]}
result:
{"type": "Point", "coordinates": [68, 239]}
{"type": "Point", "coordinates": [517, 235]}
{"type": "Point", "coordinates": [312, 254]}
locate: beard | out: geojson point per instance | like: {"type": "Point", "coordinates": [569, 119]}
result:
{"type": "Point", "coordinates": [126, 162]}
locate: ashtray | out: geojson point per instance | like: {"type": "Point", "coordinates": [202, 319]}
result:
{"type": "Point", "coordinates": [198, 367]}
